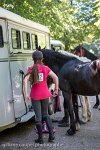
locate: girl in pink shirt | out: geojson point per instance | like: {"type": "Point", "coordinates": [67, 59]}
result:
{"type": "Point", "coordinates": [39, 94]}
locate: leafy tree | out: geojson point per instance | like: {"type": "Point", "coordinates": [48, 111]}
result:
{"type": "Point", "coordinates": [88, 16]}
{"type": "Point", "coordinates": [71, 21]}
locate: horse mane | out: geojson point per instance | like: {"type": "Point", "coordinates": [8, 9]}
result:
{"type": "Point", "coordinates": [89, 55]}
{"type": "Point", "coordinates": [53, 57]}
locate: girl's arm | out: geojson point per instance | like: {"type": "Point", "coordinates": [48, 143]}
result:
{"type": "Point", "coordinates": [56, 81]}
{"type": "Point", "coordinates": [27, 97]}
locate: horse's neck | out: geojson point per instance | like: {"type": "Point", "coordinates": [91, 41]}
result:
{"type": "Point", "coordinates": [82, 58]}
{"type": "Point", "coordinates": [89, 55]}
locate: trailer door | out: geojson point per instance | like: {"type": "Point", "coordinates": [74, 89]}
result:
{"type": "Point", "coordinates": [17, 63]}
{"type": "Point", "coordinates": [6, 108]}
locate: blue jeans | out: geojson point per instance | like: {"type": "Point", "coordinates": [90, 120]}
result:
{"type": "Point", "coordinates": [41, 109]}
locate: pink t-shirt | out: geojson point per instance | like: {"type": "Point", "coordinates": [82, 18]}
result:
{"type": "Point", "coordinates": [40, 90]}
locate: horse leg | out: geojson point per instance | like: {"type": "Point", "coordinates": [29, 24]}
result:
{"type": "Point", "coordinates": [97, 102]}
{"type": "Point", "coordinates": [68, 100]}
{"type": "Point", "coordinates": [76, 111]}
{"type": "Point", "coordinates": [65, 121]}
{"type": "Point", "coordinates": [65, 87]}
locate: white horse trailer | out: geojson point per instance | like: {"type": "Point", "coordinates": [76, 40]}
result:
{"type": "Point", "coordinates": [57, 45]}
{"type": "Point", "coordinates": [18, 38]}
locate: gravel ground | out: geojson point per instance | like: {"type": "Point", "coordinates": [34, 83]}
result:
{"type": "Point", "coordinates": [23, 135]}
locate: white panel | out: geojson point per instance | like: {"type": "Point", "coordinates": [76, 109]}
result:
{"type": "Point", "coordinates": [19, 104]}
{"type": "Point", "coordinates": [6, 108]}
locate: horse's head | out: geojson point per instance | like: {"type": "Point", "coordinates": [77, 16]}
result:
{"type": "Point", "coordinates": [79, 51]}
{"type": "Point", "coordinates": [95, 66]}
{"type": "Point", "coordinates": [82, 52]}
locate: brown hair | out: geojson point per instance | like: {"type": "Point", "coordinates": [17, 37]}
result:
{"type": "Point", "coordinates": [34, 75]}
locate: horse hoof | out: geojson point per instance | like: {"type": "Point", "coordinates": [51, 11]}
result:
{"type": "Point", "coordinates": [77, 126]}
{"type": "Point", "coordinates": [95, 106]}
{"type": "Point", "coordinates": [64, 124]}
{"type": "Point", "coordinates": [71, 132]}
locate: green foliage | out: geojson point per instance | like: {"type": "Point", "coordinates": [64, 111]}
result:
{"type": "Point", "coordinates": [71, 21]}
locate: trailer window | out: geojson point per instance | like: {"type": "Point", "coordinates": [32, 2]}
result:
{"type": "Point", "coordinates": [1, 37]}
{"type": "Point", "coordinates": [34, 41]}
{"type": "Point", "coordinates": [41, 40]}
{"type": "Point", "coordinates": [16, 39]}
{"type": "Point", "coordinates": [26, 40]}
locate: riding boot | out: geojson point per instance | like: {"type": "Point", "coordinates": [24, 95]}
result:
{"type": "Point", "coordinates": [40, 136]}
{"type": "Point", "coordinates": [65, 121]}
{"type": "Point", "coordinates": [49, 125]}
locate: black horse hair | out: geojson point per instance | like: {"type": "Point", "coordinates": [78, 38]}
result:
{"type": "Point", "coordinates": [57, 57]}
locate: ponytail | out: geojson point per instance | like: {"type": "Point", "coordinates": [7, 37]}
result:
{"type": "Point", "coordinates": [34, 76]}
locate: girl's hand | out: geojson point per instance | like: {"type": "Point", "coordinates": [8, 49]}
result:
{"type": "Point", "coordinates": [27, 97]}
{"type": "Point", "coordinates": [55, 93]}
